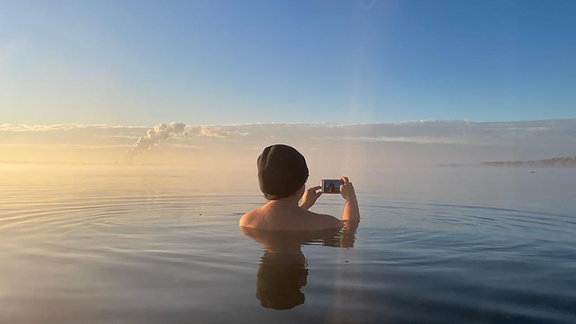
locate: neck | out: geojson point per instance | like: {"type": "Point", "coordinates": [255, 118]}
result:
{"type": "Point", "coordinates": [288, 201]}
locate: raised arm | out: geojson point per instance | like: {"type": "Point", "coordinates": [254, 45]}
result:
{"type": "Point", "coordinates": [310, 196]}
{"type": "Point", "coordinates": [351, 210]}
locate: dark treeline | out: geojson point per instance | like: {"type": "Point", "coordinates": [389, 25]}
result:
{"type": "Point", "coordinates": [555, 161]}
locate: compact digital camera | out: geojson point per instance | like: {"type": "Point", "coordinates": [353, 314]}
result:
{"type": "Point", "coordinates": [331, 186]}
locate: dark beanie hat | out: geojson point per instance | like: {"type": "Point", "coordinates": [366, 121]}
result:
{"type": "Point", "coordinates": [281, 171]}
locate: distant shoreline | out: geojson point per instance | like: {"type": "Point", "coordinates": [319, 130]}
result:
{"type": "Point", "coordinates": [555, 161]}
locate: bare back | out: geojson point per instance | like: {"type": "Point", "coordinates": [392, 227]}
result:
{"type": "Point", "coordinates": [276, 216]}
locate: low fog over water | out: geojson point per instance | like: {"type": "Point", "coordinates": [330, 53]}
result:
{"type": "Point", "coordinates": [409, 144]}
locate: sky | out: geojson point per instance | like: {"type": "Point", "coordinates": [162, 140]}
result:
{"type": "Point", "coordinates": [224, 62]}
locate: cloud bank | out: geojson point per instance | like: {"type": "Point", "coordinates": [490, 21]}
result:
{"type": "Point", "coordinates": [384, 144]}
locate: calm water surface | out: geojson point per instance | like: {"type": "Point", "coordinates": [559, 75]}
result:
{"type": "Point", "coordinates": [161, 245]}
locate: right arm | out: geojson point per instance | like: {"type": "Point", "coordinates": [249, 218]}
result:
{"type": "Point", "coordinates": [351, 210]}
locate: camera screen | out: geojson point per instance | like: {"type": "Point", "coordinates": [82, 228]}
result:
{"type": "Point", "coordinates": [331, 185]}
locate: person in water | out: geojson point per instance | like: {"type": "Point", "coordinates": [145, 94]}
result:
{"type": "Point", "coordinates": [282, 174]}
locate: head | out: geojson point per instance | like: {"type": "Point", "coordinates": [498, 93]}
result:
{"type": "Point", "coordinates": [282, 171]}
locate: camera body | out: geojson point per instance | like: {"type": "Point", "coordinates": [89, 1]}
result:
{"type": "Point", "coordinates": [331, 186]}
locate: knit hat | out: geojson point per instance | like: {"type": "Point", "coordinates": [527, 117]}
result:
{"type": "Point", "coordinates": [282, 171]}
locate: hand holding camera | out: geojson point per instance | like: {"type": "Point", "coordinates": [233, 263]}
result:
{"type": "Point", "coordinates": [310, 196]}
{"type": "Point", "coordinates": [347, 190]}
{"type": "Point", "coordinates": [342, 186]}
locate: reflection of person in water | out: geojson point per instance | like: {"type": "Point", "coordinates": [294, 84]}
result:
{"type": "Point", "coordinates": [280, 277]}
{"type": "Point", "coordinates": [283, 268]}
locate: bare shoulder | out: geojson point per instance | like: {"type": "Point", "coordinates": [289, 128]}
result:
{"type": "Point", "coordinates": [251, 218]}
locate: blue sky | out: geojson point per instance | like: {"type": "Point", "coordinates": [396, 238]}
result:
{"type": "Point", "coordinates": [240, 61]}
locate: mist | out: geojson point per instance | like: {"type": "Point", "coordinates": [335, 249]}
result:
{"type": "Point", "coordinates": [329, 148]}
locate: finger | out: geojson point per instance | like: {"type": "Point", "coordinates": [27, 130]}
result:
{"type": "Point", "coordinates": [315, 188]}
{"type": "Point", "coordinates": [344, 180]}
